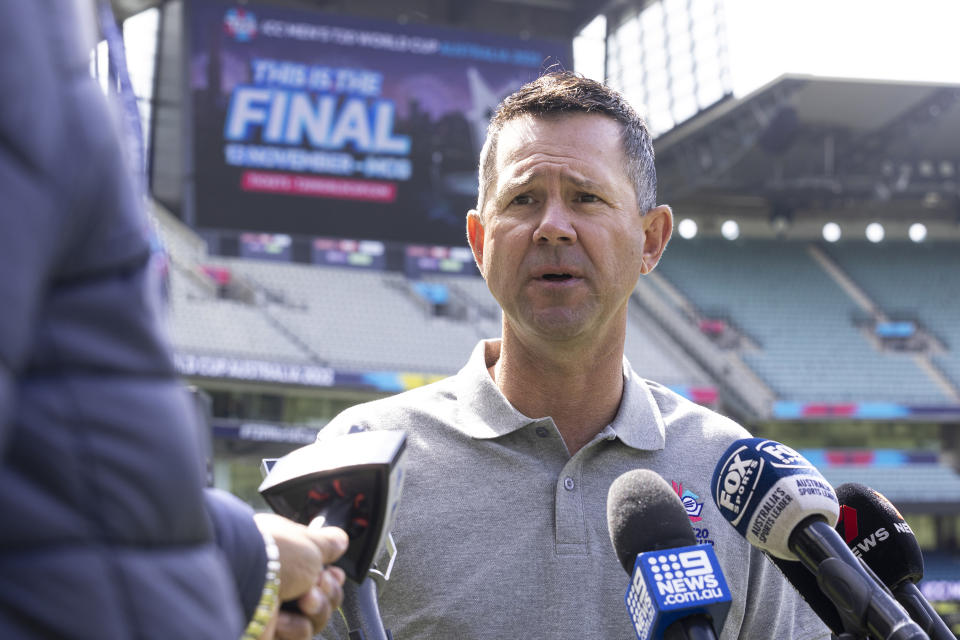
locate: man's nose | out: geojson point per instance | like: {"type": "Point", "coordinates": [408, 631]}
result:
{"type": "Point", "coordinates": [555, 225]}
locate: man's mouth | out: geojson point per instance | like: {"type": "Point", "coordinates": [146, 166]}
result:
{"type": "Point", "coordinates": [556, 277]}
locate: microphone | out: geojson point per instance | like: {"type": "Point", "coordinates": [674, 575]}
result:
{"type": "Point", "coordinates": [877, 534]}
{"type": "Point", "coordinates": [806, 585]}
{"type": "Point", "coordinates": [677, 590]}
{"type": "Point", "coordinates": [362, 612]}
{"type": "Point", "coordinates": [782, 505]}
{"type": "Point", "coordinates": [352, 481]}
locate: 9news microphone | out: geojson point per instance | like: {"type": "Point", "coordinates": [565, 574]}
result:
{"type": "Point", "coordinates": [877, 534]}
{"type": "Point", "coordinates": [782, 505]}
{"type": "Point", "coordinates": [677, 590]}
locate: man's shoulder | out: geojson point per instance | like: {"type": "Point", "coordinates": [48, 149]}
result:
{"type": "Point", "coordinates": [399, 411]}
{"type": "Point", "coordinates": [682, 415]}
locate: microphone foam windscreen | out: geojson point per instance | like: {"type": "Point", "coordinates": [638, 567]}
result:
{"type": "Point", "coordinates": [645, 514]}
{"type": "Point", "coordinates": [874, 530]}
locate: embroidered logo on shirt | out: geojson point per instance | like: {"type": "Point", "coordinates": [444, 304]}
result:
{"type": "Point", "coordinates": [691, 501]}
{"type": "Point", "coordinates": [694, 507]}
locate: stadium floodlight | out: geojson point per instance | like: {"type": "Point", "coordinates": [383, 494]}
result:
{"type": "Point", "coordinates": [917, 232]}
{"type": "Point", "coordinates": [831, 232]}
{"type": "Point", "coordinates": [730, 230]}
{"type": "Point", "coordinates": [875, 232]}
{"type": "Point", "coordinates": [687, 229]}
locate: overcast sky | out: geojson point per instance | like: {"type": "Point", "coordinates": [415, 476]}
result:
{"type": "Point", "coordinates": [915, 40]}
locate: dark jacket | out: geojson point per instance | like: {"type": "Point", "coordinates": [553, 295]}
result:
{"type": "Point", "coordinates": [105, 531]}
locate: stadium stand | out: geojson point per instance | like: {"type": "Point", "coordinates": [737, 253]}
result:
{"type": "Point", "coordinates": [358, 320]}
{"type": "Point", "coordinates": [923, 484]}
{"type": "Point", "coordinates": [799, 317]}
{"type": "Point", "coordinates": [181, 243]}
{"type": "Point", "coordinates": [915, 281]}
{"type": "Point", "coordinates": [225, 327]}
{"type": "Point", "coordinates": [472, 293]}
{"type": "Point", "coordinates": [201, 322]}
{"type": "Point", "coordinates": [938, 565]}
{"type": "Point", "coordinates": [655, 356]}
{"type": "Point", "coordinates": [677, 317]}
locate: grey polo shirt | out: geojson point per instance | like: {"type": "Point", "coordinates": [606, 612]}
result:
{"type": "Point", "coordinates": [502, 533]}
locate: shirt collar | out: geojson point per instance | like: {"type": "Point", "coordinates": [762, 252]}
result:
{"type": "Point", "coordinates": [638, 423]}
{"type": "Point", "coordinates": [486, 413]}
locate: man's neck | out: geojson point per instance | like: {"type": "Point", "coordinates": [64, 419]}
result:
{"type": "Point", "coordinates": [580, 388]}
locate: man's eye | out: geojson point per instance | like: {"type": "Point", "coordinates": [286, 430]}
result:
{"type": "Point", "coordinates": [522, 199]}
{"type": "Point", "coordinates": [588, 197]}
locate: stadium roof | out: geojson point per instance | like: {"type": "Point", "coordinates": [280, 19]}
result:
{"type": "Point", "coordinates": [807, 147]}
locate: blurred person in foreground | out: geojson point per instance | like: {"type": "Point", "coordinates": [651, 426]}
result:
{"type": "Point", "coordinates": [503, 530]}
{"type": "Point", "coordinates": [107, 530]}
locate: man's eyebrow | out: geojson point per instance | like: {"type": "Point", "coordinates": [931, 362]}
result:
{"type": "Point", "coordinates": [523, 181]}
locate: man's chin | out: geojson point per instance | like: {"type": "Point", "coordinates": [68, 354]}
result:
{"type": "Point", "coordinates": [559, 325]}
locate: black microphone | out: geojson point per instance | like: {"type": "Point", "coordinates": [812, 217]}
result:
{"type": "Point", "coordinates": [362, 612]}
{"type": "Point", "coordinates": [806, 585]}
{"type": "Point", "coordinates": [877, 534]}
{"type": "Point", "coordinates": [782, 505]}
{"type": "Point", "coordinates": [677, 590]}
{"type": "Point", "coordinates": [352, 481]}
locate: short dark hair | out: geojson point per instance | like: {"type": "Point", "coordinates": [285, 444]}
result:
{"type": "Point", "coordinates": [563, 93]}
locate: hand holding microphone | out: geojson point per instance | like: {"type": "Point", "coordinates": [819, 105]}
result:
{"type": "Point", "coordinates": [351, 481]}
{"type": "Point", "coordinates": [677, 590]}
{"type": "Point", "coordinates": [782, 505]}
{"type": "Point", "coordinates": [307, 576]}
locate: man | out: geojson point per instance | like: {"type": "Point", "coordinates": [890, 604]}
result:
{"type": "Point", "coordinates": [502, 531]}
{"type": "Point", "coordinates": [107, 532]}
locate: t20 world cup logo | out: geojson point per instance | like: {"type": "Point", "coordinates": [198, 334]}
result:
{"type": "Point", "coordinates": [691, 501]}
{"type": "Point", "coordinates": [240, 24]}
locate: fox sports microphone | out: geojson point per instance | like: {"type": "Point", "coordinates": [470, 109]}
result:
{"type": "Point", "coordinates": [677, 590]}
{"type": "Point", "coordinates": [782, 505]}
{"type": "Point", "coordinates": [877, 533]}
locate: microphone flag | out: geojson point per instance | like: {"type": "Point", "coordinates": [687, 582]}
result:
{"type": "Point", "coordinates": [671, 584]}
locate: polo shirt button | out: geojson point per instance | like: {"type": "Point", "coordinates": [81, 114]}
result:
{"type": "Point", "coordinates": [542, 432]}
{"type": "Point", "coordinates": [568, 483]}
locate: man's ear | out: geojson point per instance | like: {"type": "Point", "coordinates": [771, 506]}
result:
{"type": "Point", "coordinates": [657, 228]}
{"type": "Point", "coordinates": [475, 236]}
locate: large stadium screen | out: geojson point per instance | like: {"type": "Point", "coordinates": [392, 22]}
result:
{"type": "Point", "coordinates": [313, 124]}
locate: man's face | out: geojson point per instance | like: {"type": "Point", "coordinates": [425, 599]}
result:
{"type": "Point", "coordinates": [561, 241]}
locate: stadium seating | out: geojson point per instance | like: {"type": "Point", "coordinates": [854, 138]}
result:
{"type": "Point", "coordinates": [941, 565]}
{"type": "Point", "coordinates": [211, 326]}
{"type": "Point", "coordinates": [182, 244]}
{"type": "Point", "coordinates": [799, 334]}
{"type": "Point", "coordinates": [903, 486]}
{"type": "Point", "coordinates": [912, 280]}
{"type": "Point", "coordinates": [655, 356]}
{"type": "Point", "coordinates": [802, 321]}
{"type": "Point", "coordinates": [358, 320]}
